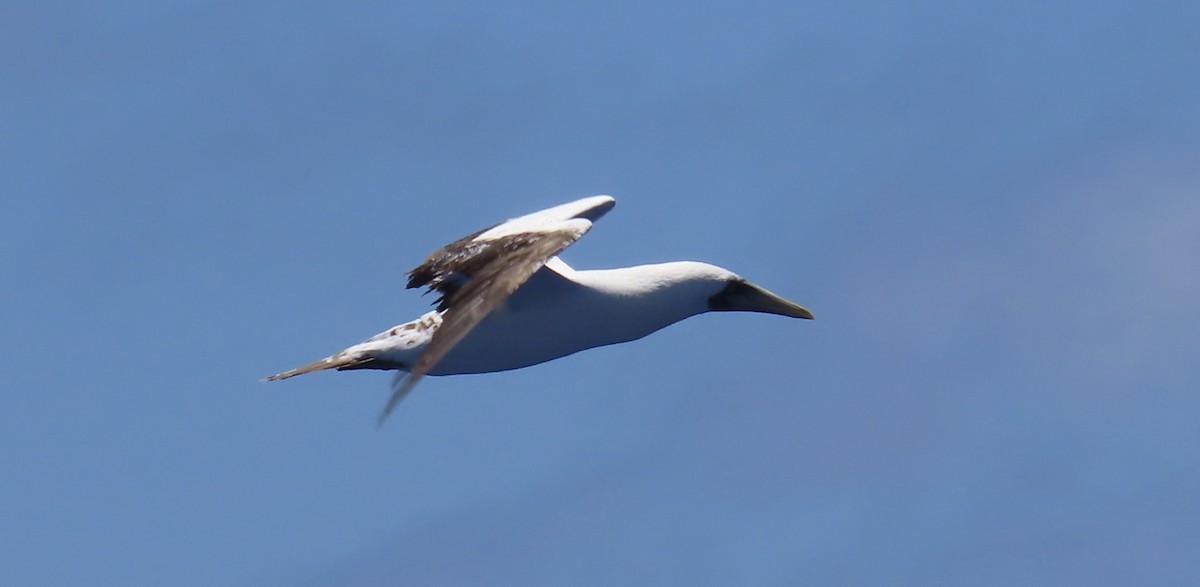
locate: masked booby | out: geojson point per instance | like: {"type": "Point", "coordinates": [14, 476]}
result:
{"type": "Point", "coordinates": [507, 301]}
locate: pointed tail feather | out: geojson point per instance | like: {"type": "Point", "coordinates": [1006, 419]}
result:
{"type": "Point", "coordinates": [401, 385]}
{"type": "Point", "coordinates": [339, 361]}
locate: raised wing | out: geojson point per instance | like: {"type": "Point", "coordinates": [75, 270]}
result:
{"type": "Point", "coordinates": [448, 268]}
{"type": "Point", "coordinates": [498, 267]}
{"type": "Point", "coordinates": [475, 274]}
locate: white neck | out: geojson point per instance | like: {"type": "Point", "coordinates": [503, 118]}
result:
{"type": "Point", "coordinates": [652, 296]}
{"type": "Point", "coordinates": [612, 306]}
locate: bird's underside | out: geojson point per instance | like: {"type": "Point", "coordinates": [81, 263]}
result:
{"type": "Point", "coordinates": [505, 301]}
{"type": "Point", "coordinates": [472, 277]}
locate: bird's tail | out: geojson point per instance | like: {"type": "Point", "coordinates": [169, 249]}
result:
{"type": "Point", "coordinates": [340, 361]}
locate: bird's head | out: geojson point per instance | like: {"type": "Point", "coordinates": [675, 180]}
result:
{"type": "Point", "coordinates": [726, 291]}
{"type": "Point", "coordinates": [733, 293]}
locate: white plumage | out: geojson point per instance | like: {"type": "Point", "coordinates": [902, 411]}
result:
{"type": "Point", "coordinates": [507, 301]}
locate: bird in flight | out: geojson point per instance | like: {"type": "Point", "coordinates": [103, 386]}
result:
{"type": "Point", "coordinates": [507, 301]}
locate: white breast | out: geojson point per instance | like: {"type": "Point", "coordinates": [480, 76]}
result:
{"type": "Point", "coordinates": [552, 316]}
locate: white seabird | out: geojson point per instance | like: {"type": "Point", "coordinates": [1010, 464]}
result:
{"type": "Point", "coordinates": [507, 301]}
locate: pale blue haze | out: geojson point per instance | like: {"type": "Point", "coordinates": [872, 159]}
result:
{"type": "Point", "coordinates": [992, 208]}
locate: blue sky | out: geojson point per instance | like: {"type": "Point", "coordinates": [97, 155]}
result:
{"type": "Point", "coordinates": [991, 208]}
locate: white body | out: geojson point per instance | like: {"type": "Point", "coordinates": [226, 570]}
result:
{"type": "Point", "coordinates": [509, 302]}
{"type": "Point", "coordinates": [559, 312]}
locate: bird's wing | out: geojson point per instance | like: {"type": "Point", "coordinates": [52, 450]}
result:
{"type": "Point", "coordinates": [447, 269]}
{"type": "Point", "coordinates": [476, 274]}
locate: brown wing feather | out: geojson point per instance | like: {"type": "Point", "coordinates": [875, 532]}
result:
{"type": "Point", "coordinates": [457, 259]}
{"type": "Point", "coordinates": [496, 270]}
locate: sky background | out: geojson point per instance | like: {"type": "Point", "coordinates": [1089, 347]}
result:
{"type": "Point", "coordinates": [992, 209]}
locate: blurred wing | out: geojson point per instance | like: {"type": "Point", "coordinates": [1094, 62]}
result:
{"type": "Point", "coordinates": [474, 276]}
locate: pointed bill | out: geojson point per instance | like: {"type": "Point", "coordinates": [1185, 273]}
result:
{"type": "Point", "coordinates": [742, 296]}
